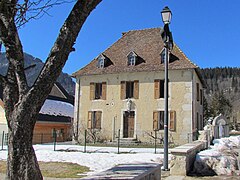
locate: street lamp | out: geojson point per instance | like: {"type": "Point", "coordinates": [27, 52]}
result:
{"type": "Point", "coordinates": [168, 45]}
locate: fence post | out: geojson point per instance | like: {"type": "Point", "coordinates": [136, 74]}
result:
{"type": "Point", "coordinates": [85, 140]}
{"type": "Point", "coordinates": [55, 139]}
{"type": "Point", "coordinates": [155, 142]}
{"type": "Point", "coordinates": [2, 139]}
{"type": "Point", "coordinates": [118, 140]}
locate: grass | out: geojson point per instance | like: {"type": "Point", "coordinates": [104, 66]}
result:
{"type": "Point", "coordinates": [56, 169]}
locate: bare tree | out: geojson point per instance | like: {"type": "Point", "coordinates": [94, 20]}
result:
{"type": "Point", "coordinates": [23, 103]}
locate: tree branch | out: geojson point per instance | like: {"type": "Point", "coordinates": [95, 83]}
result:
{"type": "Point", "coordinates": [10, 39]}
{"type": "Point", "coordinates": [30, 10]}
{"type": "Point", "coordinates": [61, 49]}
{"type": "Point", "coordinates": [14, 53]}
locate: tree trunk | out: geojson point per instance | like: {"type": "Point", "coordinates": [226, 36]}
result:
{"type": "Point", "coordinates": [22, 162]}
{"type": "Point", "coordinates": [22, 103]}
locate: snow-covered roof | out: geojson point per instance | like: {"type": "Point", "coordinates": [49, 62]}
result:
{"type": "Point", "coordinates": [57, 108]}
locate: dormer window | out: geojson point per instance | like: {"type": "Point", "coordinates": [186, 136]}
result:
{"type": "Point", "coordinates": [162, 56]}
{"type": "Point", "coordinates": [101, 61]}
{"type": "Point", "coordinates": [132, 58]}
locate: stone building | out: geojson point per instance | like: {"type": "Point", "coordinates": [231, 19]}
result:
{"type": "Point", "coordinates": [123, 89]}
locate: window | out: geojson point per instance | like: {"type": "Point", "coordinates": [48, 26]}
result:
{"type": "Point", "coordinates": [198, 123]}
{"type": "Point", "coordinates": [197, 91]}
{"type": "Point", "coordinates": [132, 57]}
{"type": "Point", "coordinates": [131, 60]}
{"type": "Point", "coordinates": [162, 56]}
{"type": "Point", "coordinates": [158, 88]}
{"type": "Point", "coordinates": [101, 61]}
{"type": "Point", "coordinates": [129, 89]}
{"type": "Point", "coordinates": [201, 122]}
{"type": "Point", "coordinates": [94, 119]}
{"type": "Point", "coordinates": [98, 90]}
{"type": "Point", "coordinates": [158, 120]}
{"type": "Point", "coordinates": [201, 97]}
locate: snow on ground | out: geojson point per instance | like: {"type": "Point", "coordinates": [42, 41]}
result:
{"type": "Point", "coordinates": [227, 143]}
{"type": "Point", "coordinates": [222, 157]}
{"type": "Point", "coordinates": [97, 158]}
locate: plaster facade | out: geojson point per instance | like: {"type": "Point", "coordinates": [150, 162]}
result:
{"type": "Point", "coordinates": [182, 100]}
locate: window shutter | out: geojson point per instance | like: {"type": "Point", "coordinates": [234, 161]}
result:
{"type": "Point", "coordinates": [155, 120]}
{"type": "Point", "coordinates": [136, 90]}
{"type": "Point", "coordinates": [98, 119]}
{"type": "Point", "coordinates": [89, 123]}
{"type": "Point", "coordinates": [92, 91]}
{"type": "Point", "coordinates": [123, 89]}
{"type": "Point", "coordinates": [104, 90]}
{"type": "Point", "coordinates": [173, 120]}
{"type": "Point", "coordinates": [156, 89]}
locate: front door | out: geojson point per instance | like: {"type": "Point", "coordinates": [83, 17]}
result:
{"type": "Point", "coordinates": [128, 124]}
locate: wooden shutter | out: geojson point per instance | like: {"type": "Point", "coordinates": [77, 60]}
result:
{"type": "Point", "coordinates": [98, 119]}
{"type": "Point", "coordinates": [123, 90]}
{"type": "Point", "coordinates": [104, 90]}
{"type": "Point", "coordinates": [92, 91]}
{"type": "Point", "coordinates": [156, 88]}
{"type": "Point", "coordinates": [155, 120]}
{"type": "Point", "coordinates": [173, 120]}
{"type": "Point", "coordinates": [136, 90]}
{"type": "Point", "coordinates": [89, 123]}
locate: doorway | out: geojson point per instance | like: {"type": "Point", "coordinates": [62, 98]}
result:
{"type": "Point", "coordinates": [128, 124]}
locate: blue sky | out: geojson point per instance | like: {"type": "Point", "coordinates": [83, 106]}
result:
{"type": "Point", "coordinates": [207, 31]}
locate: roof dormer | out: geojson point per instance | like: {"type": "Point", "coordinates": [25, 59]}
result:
{"type": "Point", "coordinates": [162, 54]}
{"type": "Point", "coordinates": [132, 58]}
{"type": "Point", "coordinates": [101, 61]}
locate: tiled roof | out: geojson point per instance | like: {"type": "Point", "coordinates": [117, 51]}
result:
{"type": "Point", "coordinates": [148, 45]}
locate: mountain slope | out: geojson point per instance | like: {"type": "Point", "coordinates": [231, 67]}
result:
{"type": "Point", "coordinates": [227, 81]}
{"type": "Point", "coordinates": [31, 73]}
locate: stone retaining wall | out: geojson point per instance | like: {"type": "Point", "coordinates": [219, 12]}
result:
{"type": "Point", "coordinates": [183, 157]}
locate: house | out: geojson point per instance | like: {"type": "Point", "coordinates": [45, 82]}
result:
{"type": "Point", "coordinates": [123, 89]}
{"type": "Point", "coordinates": [56, 116]}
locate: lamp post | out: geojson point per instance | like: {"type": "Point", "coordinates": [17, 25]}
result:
{"type": "Point", "coordinates": [168, 45]}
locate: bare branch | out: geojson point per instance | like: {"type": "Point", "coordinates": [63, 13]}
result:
{"type": "Point", "coordinates": [33, 10]}
{"type": "Point", "coordinates": [14, 52]}
{"type": "Point", "coordinates": [61, 49]}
